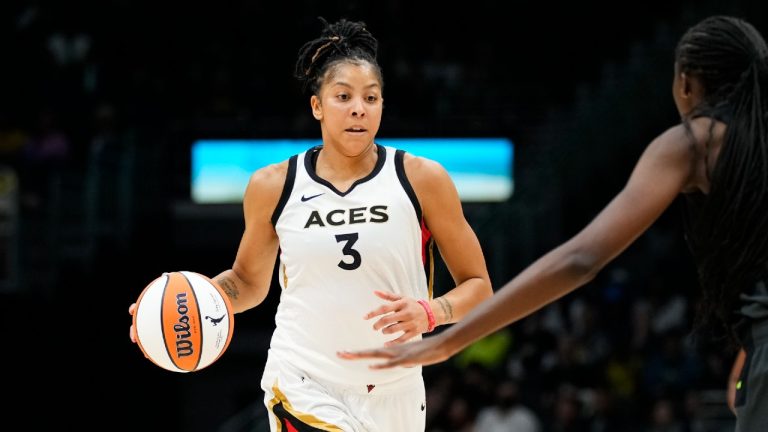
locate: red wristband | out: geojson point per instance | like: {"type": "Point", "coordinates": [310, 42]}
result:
{"type": "Point", "coordinates": [430, 315]}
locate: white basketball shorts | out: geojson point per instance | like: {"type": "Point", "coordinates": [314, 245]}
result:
{"type": "Point", "coordinates": [297, 402]}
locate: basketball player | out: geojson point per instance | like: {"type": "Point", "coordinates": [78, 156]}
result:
{"type": "Point", "coordinates": [354, 223]}
{"type": "Point", "coordinates": [718, 157]}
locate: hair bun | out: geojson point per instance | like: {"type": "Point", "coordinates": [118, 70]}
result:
{"type": "Point", "coordinates": [341, 39]}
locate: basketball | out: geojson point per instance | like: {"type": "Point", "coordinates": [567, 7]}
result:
{"type": "Point", "coordinates": [183, 321]}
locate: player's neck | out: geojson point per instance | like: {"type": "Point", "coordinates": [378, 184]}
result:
{"type": "Point", "coordinates": [332, 165]}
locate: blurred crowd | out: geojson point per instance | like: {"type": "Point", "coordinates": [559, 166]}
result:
{"type": "Point", "coordinates": [616, 357]}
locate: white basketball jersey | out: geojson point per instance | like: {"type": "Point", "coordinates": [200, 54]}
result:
{"type": "Point", "coordinates": [336, 249]}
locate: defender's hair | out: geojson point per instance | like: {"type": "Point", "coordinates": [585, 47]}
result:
{"type": "Point", "coordinates": [729, 237]}
{"type": "Point", "coordinates": [343, 41]}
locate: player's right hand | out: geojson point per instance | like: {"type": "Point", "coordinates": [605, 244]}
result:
{"type": "Point", "coordinates": [399, 314]}
{"type": "Point", "coordinates": [131, 310]}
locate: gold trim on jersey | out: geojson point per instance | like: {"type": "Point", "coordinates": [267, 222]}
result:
{"type": "Point", "coordinates": [285, 278]}
{"type": "Point", "coordinates": [431, 276]}
{"type": "Point", "coordinates": [307, 419]}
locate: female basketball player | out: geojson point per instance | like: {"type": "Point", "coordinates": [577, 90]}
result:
{"type": "Point", "coordinates": [718, 158]}
{"type": "Point", "coordinates": [354, 223]}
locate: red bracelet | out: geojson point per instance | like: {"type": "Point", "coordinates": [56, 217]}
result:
{"type": "Point", "coordinates": [430, 315]}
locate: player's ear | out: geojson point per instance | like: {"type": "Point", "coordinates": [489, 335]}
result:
{"type": "Point", "coordinates": [690, 87]}
{"type": "Point", "coordinates": [317, 108]}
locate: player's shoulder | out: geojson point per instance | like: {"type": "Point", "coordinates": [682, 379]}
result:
{"type": "Point", "coordinates": [271, 174]}
{"type": "Point", "coordinates": [706, 130]}
{"type": "Point", "coordinates": [425, 174]}
{"type": "Point", "coordinates": [422, 166]}
{"type": "Point", "coordinates": [692, 137]}
{"type": "Point", "coordinates": [269, 180]}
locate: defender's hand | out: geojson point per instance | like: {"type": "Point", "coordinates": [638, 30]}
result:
{"type": "Point", "coordinates": [427, 351]}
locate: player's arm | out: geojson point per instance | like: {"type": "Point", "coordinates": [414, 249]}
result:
{"type": "Point", "coordinates": [665, 168]}
{"type": "Point", "coordinates": [247, 282]}
{"type": "Point", "coordinates": [456, 241]}
{"type": "Point", "coordinates": [663, 171]}
{"type": "Point", "coordinates": [733, 379]}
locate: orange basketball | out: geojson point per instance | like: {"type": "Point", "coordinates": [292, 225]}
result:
{"type": "Point", "coordinates": [183, 321]}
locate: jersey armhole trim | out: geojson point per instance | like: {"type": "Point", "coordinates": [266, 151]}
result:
{"type": "Point", "coordinates": [290, 178]}
{"type": "Point", "coordinates": [400, 169]}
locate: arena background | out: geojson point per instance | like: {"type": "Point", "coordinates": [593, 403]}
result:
{"type": "Point", "coordinates": [100, 102]}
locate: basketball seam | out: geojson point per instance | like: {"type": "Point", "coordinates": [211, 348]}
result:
{"type": "Point", "coordinates": [162, 321]}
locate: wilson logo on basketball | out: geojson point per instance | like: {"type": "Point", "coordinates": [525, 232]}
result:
{"type": "Point", "coordinates": [181, 323]}
{"type": "Point", "coordinates": [183, 344]}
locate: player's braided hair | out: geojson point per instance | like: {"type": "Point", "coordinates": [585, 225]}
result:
{"type": "Point", "coordinates": [729, 237]}
{"type": "Point", "coordinates": [342, 41]}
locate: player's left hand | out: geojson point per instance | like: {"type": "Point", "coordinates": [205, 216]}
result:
{"type": "Point", "coordinates": [401, 314]}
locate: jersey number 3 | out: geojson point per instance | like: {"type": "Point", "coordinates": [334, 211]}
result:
{"type": "Point", "coordinates": [350, 240]}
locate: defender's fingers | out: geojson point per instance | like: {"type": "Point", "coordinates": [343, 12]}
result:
{"type": "Point", "coordinates": [392, 363]}
{"type": "Point", "coordinates": [353, 355]}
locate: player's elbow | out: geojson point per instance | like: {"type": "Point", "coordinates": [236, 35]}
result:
{"type": "Point", "coordinates": [582, 266]}
{"type": "Point", "coordinates": [485, 290]}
